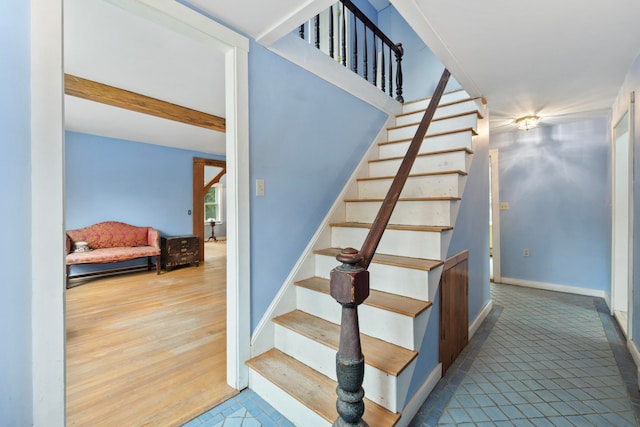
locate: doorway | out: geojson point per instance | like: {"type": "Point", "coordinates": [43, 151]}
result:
{"type": "Point", "coordinates": [47, 140]}
{"type": "Point", "coordinates": [207, 173]}
{"type": "Point", "coordinates": [622, 214]}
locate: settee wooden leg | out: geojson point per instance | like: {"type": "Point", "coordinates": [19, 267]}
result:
{"type": "Point", "coordinates": [158, 263]}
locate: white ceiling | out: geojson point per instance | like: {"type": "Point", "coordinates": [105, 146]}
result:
{"type": "Point", "coordinates": [560, 60]}
{"type": "Point", "coordinates": [107, 44]}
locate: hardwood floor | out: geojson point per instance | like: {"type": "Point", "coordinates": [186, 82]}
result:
{"type": "Point", "coordinates": [148, 350]}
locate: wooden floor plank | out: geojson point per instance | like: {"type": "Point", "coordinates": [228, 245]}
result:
{"type": "Point", "coordinates": [148, 350]}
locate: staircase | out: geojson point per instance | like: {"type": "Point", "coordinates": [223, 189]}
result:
{"type": "Point", "coordinates": [297, 376]}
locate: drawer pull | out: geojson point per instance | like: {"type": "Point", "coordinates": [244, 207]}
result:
{"type": "Point", "coordinates": [183, 250]}
{"type": "Point", "coordinates": [183, 242]}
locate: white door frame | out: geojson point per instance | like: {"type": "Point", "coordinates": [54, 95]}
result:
{"type": "Point", "coordinates": [627, 253]}
{"type": "Point", "coordinates": [495, 213]}
{"type": "Point", "coordinates": [47, 192]}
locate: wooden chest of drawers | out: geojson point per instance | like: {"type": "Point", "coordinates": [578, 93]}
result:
{"type": "Point", "coordinates": [179, 250]}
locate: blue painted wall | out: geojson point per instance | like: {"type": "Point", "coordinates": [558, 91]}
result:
{"type": "Point", "coordinates": [116, 180]}
{"type": "Point", "coordinates": [307, 136]}
{"type": "Point", "coordinates": [15, 175]}
{"type": "Point", "coordinates": [632, 84]}
{"type": "Point", "coordinates": [421, 68]}
{"type": "Point", "coordinates": [556, 180]}
{"type": "Point", "coordinates": [471, 231]}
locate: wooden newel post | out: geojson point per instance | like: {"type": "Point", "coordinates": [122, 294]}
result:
{"type": "Point", "coordinates": [350, 287]}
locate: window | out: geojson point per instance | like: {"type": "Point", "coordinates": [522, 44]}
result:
{"type": "Point", "coordinates": [212, 204]}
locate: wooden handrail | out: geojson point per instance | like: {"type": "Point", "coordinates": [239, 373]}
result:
{"type": "Point", "coordinates": [372, 26]}
{"type": "Point", "coordinates": [349, 284]}
{"type": "Point", "coordinates": [382, 219]}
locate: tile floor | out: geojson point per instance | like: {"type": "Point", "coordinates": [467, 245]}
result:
{"type": "Point", "coordinates": [540, 358]}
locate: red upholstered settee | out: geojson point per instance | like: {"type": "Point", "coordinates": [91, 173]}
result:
{"type": "Point", "coordinates": [109, 242]}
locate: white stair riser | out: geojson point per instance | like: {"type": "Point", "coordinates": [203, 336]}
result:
{"type": "Point", "coordinates": [443, 162]}
{"type": "Point", "coordinates": [442, 111]}
{"type": "Point", "coordinates": [446, 98]}
{"type": "Point", "coordinates": [416, 244]}
{"type": "Point", "coordinates": [437, 143]}
{"type": "Point", "coordinates": [449, 185]}
{"type": "Point", "coordinates": [283, 402]}
{"type": "Point", "coordinates": [409, 282]}
{"type": "Point", "coordinates": [437, 126]}
{"type": "Point", "coordinates": [419, 212]}
{"type": "Point", "coordinates": [380, 387]}
{"type": "Point", "coordinates": [385, 325]}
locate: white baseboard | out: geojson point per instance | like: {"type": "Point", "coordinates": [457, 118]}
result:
{"type": "Point", "coordinates": [554, 287]}
{"type": "Point", "coordinates": [412, 408]}
{"type": "Point", "coordinates": [473, 328]}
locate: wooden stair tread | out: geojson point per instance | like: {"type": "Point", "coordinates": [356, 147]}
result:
{"type": "Point", "coordinates": [417, 175]}
{"type": "Point", "coordinates": [380, 354]}
{"type": "Point", "coordinates": [410, 199]}
{"type": "Point", "coordinates": [433, 228]}
{"type": "Point", "coordinates": [413, 101]}
{"type": "Point", "coordinates": [312, 389]}
{"type": "Point", "coordinates": [444, 104]}
{"type": "Point", "coordinates": [431, 153]}
{"type": "Point", "coordinates": [430, 135]}
{"type": "Point", "coordinates": [383, 300]}
{"type": "Point", "coordinates": [395, 260]}
{"type": "Point", "coordinates": [452, 116]}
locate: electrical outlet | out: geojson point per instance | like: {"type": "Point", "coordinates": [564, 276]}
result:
{"type": "Point", "coordinates": [504, 206]}
{"type": "Point", "coordinates": [525, 252]}
{"type": "Point", "coordinates": [259, 187]}
{"type": "Point", "coordinates": [189, 212]}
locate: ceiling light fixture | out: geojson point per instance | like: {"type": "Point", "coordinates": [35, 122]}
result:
{"type": "Point", "coordinates": [527, 122]}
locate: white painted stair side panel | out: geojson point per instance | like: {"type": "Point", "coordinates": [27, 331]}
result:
{"type": "Point", "coordinates": [378, 323]}
{"type": "Point", "coordinates": [380, 386]}
{"type": "Point", "coordinates": [423, 103]}
{"type": "Point", "coordinates": [436, 126]}
{"type": "Point", "coordinates": [436, 143]}
{"type": "Point", "coordinates": [441, 162]}
{"type": "Point", "coordinates": [448, 185]}
{"type": "Point", "coordinates": [410, 282]}
{"type": "Point", "coordinates": [419, 244]}
{"type": "Point", "coordinates": [295, 411]}
{"type": "Point", "coordinates": [406, 212]}
{"type": "Point", "coordinates": [443, 110]}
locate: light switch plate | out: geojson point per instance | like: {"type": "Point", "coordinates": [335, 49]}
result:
{"type": "Point", "coordinates": [259, 187]}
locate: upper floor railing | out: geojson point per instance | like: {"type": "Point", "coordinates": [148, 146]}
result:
{"type": "Point", "coordinates": [347, 35]}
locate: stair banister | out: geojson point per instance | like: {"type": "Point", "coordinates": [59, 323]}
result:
{"type": "Point", "coordinates": [351, 37]}
{"type": "Point", "coordinates": [350, 282]}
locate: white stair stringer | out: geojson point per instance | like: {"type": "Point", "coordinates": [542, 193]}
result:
{"type": "Point", "coordinates": [420, 228]}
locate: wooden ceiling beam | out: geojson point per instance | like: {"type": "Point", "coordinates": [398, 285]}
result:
{"type": "Point", "coordinates": [110, 95]}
